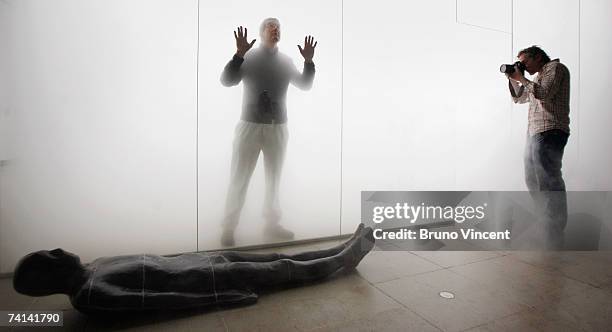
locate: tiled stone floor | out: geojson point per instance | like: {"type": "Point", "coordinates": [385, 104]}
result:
{"type": "Point", "coordinates": [399, 291]}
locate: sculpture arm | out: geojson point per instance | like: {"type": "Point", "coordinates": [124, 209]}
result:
{"type": "Point", "coordinates": [176, 300]}
{"type": "Point", "coordinates": [122, 300]}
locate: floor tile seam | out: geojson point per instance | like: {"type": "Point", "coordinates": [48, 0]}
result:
{"type": "Point", "coordinates": [476, 261]}
{"type": "Point", "coordinates": [542, 267]}
{"type": "Point", "coordinates": [544, 270]}
{"type": "Point", "coordinates": [425, 258]}
{"type": "Point", "coordinates": [405, 276]}
{"type": "Point", "coordinates": [324, 325]}
{"type": "Point", "coordinates": [578, 294]}
{"type": "Point", "coordinates": [496, 291]}
{"type": "Point", "coordinates": [298, 300]}
{"type": "Point", "coordinates": [402, 305]}
{"type": "Point", "coordinates": [582, 281]}
{"type": "Point", "coordinates": [499, 318]}
{"type": "Point", "coordinates": [227, 329]}
{"type": "Point", "coordinates": [451, 266]}
{"type": "Point", "coordinates": [540, 310]}
{"type": "Point", "coordinates": [316, 328]}
{"type": "Point", "coordinates": [358, 319]}
{"type": "Point", "coordinates": [563, 274]}
{"type": "Point", "coordinates": [537, 306]}
{"type": "Point", "coordinates": [492, 290]}
{"type": "Point", "coordinates": [559, 309]}
{"type": "Point", "coordinates": [224, 323]}
{"type": "Point", "coordinates": [309, 330]}
{"type": "Point", "coordinates": [422, 273]}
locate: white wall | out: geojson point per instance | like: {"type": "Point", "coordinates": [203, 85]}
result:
{"type": "Point", "coordinates": [4, 108]}
{"type": "Point", "coordinates": [595, 100]}
{"type": "Point", "coordinates": [101, 128]}
{"type": "Point", "coordinates": [98, 113]}
{"type": "Point", "coordinates": [425, 106]}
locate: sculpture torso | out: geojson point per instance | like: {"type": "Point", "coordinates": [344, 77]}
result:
{"type": "Point", "coordinates": [141, 282]}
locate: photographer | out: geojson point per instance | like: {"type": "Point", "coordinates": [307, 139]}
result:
{"type": "Point", "coordinates": [548, 130]}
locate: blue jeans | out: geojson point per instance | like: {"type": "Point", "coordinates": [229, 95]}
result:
{"type": "Point", "coordinates": [543, 160]}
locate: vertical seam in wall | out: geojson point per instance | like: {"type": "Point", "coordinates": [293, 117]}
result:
{"type": "Point", "coordinates": [197, 127]}
{"type": "Point", "coordinates": [511, 56]}
{"type": "Point", "coordinates": [511, 28]}
{"type": "Point", "coordinates": [1, 213]}
{"type": "Point", "coordinates": [341, 107]}
{"type": "Point", "coordinates": [579, 84]}
{"type": "Point", "coordinates": [455, 115]}
{"type": "Point", "coordinates": [455, 126]}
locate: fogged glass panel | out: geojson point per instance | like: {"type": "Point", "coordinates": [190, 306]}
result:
{"type": "Point", "coordinates": [100, 119]}
{"type": "Point", "coordinates": [309, 185]}
{"type": "Point", "coordinates": [425, 107]}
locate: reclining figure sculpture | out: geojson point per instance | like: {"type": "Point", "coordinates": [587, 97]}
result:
{"type": "Point", "coordinates": [145, 282]}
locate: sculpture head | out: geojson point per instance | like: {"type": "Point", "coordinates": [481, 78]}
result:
{"type": "Point", "coordinates": [46, 272]}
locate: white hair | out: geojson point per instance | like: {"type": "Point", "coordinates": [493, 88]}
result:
{"type": "Point", "coordinates": [262, 27]}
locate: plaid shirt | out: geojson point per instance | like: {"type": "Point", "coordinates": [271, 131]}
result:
{"type": "Point", "coordinates": [548, 96]}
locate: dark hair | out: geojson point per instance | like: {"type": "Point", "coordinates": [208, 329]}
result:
{"type": "Point", "coordinates": [533, 51]}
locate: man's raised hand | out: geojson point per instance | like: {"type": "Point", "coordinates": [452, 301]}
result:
{"type": "Point", "coordinates": [309, 47]}
{"type": "Point", "coordinates": [242, 44]}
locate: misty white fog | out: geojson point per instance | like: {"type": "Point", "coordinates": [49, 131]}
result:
{"type": "Point", "coordinates": [116, 133]}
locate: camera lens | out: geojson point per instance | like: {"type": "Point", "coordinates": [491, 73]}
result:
{"type": "Point", "coordinates": [506, 68]}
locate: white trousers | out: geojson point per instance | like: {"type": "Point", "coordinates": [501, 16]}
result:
{"type": "Point", "coordinates": [249, 139]}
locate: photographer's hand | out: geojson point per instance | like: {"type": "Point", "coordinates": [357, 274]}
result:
{"type": "Point", "coordinates": [512, 81]}
{"type": "Point", "coordinates": [516, 76]}
{"type": "Point", "coordinates": [242, 44]}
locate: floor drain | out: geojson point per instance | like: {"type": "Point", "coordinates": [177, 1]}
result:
{"type": "Point", "coordinates": [447, 295]}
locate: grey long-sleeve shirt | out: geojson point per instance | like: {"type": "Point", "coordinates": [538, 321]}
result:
{"type": "Point", "coordinates": [266, 74]}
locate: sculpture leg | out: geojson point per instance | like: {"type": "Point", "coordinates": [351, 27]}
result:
{"type": "Point", "coordinates": [237, 256]}
{"type": "Point", "coordinates": [257, 275]}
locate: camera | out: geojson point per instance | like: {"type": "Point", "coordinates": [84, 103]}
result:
{"type": "Point", "coordinates": [509, 69]}
{"type": "Point", "coordinates": [265, 102]}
